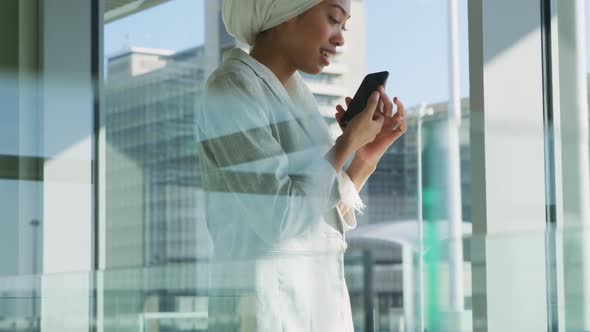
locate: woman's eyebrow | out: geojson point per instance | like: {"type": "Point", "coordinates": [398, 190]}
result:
{"type": "Point", "coordinates": [341, 8]}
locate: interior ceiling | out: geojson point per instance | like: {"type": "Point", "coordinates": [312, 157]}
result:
{"type": "Point", "coordinates": [112, 4]}
{"type": "Point", "coordinates": [117, 9]}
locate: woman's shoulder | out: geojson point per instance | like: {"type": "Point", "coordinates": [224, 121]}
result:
{"type": "Point", "coordinates": [233, 76]}
{"type": "Point", "coordinates": [233, 87]}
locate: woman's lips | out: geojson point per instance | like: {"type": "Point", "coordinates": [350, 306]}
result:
{"type": "Point", "coordinates": [325, 59]}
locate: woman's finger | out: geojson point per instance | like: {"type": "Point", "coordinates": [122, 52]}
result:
{"type": "Point", "coordinates": [399, 131]}
{"type": "Point", "coordinates": [339, 116]}
{"type": "Point", "coordinates": [393, 122]}
{"type": "Point", "coordinates": [387, 104]}
{"type": "Point", "coordinates": [348, 100]}
{"type": "Point", "coordinates": [401, 110]}
{"type": "Point", "coordinates": [372, 104]}
{"type": "Point", "coordinates": [379, 117]}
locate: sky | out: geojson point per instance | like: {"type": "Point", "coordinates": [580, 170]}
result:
{"type": "Point", "coordinates": [408, 38]}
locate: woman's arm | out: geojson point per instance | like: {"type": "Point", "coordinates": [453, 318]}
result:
{"type": "Point", "coordinates": [369, 155]}
{"type": "Point", "coordinates": [340, 152]}
{"type": "Point", "coordinates": [359, 172]}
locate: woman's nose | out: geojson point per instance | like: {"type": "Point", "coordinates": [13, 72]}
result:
{"type": "Point", "coordinates": [338, 39]}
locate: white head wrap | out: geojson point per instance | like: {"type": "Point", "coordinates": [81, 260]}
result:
{"type": "Point", "coordinates": [245, 19]}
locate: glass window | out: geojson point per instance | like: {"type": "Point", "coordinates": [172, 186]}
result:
{"type": "Point", "coordinates": [156, 243]}
{"type": "Point", "coordinates": [157, 247]}
{"type": "Point", "coordinates": [120, 210]}
{"type": "Point", "coordinates": [570, 164]}
{"type": "Point", "coordinates": [45, 163]}
{"type": "Point", "coordinates": [414, 172]}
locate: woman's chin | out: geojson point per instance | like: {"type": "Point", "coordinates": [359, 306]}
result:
{"type": "Point", "coordinates": [313, 70]}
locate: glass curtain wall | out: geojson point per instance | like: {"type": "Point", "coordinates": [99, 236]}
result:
{"type": "Point", "coordinates": [156, 247]}
{"type": "Point", "coordinates": [570, 62]}
{"type": "Point", "coordinates": [46, 156]}
{"type": "Point", "coordinates": [475, 219]}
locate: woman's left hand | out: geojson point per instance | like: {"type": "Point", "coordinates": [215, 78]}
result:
{"type": "Point", "coordinates": [393, 128]}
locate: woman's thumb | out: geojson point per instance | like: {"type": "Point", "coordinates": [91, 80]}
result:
{"type": "Point", "coordinates": [372, 103]}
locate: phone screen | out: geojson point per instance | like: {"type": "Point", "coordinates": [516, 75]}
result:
{"type": "Point", "coordinates": [370, 84]}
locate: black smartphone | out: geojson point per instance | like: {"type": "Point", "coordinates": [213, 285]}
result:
{"type": "Point", "coordinates": [370, 84]}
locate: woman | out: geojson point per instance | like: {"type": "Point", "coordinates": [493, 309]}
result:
{"type": "Point", "coordinates": [278, 200]}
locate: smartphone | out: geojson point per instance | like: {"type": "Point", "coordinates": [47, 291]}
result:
{"type": "Point", "coordinates": [370, 84]}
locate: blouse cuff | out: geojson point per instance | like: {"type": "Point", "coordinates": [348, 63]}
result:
{"type": "Point", "coordinates": [351, 199]}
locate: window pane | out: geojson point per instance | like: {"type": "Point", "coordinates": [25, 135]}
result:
{"type": "Point", "coordinates": [156, 245]}
{"type": "Point", "coordinates": [45, 164]}
{"type": "Point", "coordinates": [415, 49]}
{"type": "Point", "coordinates": [572, 165]}
{"type": "Point", "coordinates": [157, 250]}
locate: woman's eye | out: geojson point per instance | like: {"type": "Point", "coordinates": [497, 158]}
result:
{"type": "Point", "coordinates": [335, 21]}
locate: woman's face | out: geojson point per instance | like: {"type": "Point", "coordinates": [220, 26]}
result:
{"type": "Point", "coordinates": [311, 38]}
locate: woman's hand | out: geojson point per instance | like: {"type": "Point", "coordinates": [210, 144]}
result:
{"type": "Point", "coordinates": [361, 130]}
{"type": "Point", "coordinates": [393, 127]}
{"type": "Point", "coordinates": [366, 126]}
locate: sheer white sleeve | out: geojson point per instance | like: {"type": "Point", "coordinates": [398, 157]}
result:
{"type": "Point", "coordinates": [350, 202]}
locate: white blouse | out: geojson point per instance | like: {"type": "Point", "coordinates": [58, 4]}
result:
{"type": "Point", "coordinates": [273, 204]}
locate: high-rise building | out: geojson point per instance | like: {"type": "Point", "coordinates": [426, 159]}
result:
{"type": "Point", "coordinates": [152, 164]}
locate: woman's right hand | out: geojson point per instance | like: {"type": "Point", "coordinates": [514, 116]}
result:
{"type": "Point", "coordinates": [365, 126]}
{"type": "Point", "coordinates": [359, 132]}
